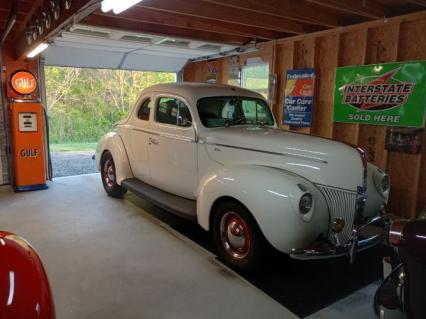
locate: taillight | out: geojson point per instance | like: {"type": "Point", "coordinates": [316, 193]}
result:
{"type": "Point", "coordinates": [396, 232]}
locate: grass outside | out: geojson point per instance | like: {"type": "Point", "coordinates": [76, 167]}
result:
{"type": "Point", "coordinates": [72, 147]}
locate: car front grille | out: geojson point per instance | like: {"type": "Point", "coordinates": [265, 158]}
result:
{"type": "Point", "coordinates": [341, 204]}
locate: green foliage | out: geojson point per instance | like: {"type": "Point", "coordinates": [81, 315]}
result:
{"type": "Point", "coordinates": [84, 104]}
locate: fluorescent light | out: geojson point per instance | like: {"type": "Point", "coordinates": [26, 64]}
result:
{"type": "Point", "coordinates": [107, 5]}
{"type": "Point", "coordinates": [40, 48]}
{"type": "Point", "coordinates": [118, 6]}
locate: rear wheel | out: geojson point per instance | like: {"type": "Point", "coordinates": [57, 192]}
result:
{"type": "Point", "coordinates": [237, 237]}
{"type": "Point", "coordinates": [109, 176]}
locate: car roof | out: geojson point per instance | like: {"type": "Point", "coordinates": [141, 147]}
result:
{"type": "Point", "coordinates": [197, 90]}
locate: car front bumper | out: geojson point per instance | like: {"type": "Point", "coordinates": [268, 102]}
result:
{"type": "Point", "coordinates": [363, 237]}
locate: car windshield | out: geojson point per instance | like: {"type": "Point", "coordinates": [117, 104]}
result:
{"type": "Point", "coordinates": [233, 110]}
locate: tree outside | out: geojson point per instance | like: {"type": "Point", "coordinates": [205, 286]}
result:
{"type": "Point", "coordinates": [83, 105]}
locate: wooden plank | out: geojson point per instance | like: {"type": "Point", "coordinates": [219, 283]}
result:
{"type": "Point", "coordinates": [409, 171]}
{"type": "Point", "coordinates": [403, 170]}
{"type": "Point", "coordinates": [302, 12]}
{"type": "Point", "coordinates": [189, 72]}
{"type": "Point", "coordinates": [223, 70]}
{"type": "Point", "coordinates": [419, 2]}
{"type": "Point", "coordinates": [153, 16]}
{"type": "Point", "coordinates": [421, 190]}
{"type": "Point", "coordinates": [382, 46]}
{"type": "Point", "coordinates": [352, 49]}
{"type": "Point", "coordinates": [358, 27]}
{"type": "Point", "coordinates": [304, 57]}
{"type": "Point", "coordinates": [196, 8]}
{"type": "Point", "coordinates": [284, 62]}
{"type": "Point", "coordinates": [369, 9]}
{"type": "Point", "coordinates": [326, 63]}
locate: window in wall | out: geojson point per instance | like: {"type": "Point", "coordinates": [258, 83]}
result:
{"type": "Point", "coordinates": [255, 76]}
{"type": "Point", "coordinates": [173, 111]}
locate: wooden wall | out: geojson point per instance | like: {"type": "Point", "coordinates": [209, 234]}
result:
{"type": "Point", "coordinates": [397, 39]}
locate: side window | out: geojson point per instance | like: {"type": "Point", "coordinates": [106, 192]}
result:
{"type": "Point", "coordinates": [173, 111]}
{"type": "Point", "coordinates": [254, 112]}
{"type": "Point", "coordinates": [144, 110]}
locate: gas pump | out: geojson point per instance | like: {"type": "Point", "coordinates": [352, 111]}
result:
{"type": "Point", "coordinates": [27, 132]}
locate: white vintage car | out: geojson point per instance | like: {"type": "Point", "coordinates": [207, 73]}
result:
{"type": "Point", "coordinates": [214, 154]}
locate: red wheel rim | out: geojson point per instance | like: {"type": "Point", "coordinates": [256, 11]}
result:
{"type": "Point", "coordinates": [235, 235]}
{"type": "Point", "coordinates": [108, 172]}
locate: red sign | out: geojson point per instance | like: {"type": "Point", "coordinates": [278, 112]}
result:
{"type": "Point", "coordinates": [23, 82]}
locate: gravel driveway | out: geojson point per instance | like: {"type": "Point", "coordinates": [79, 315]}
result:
{"type": "Point", "coordinates": [73, 163]}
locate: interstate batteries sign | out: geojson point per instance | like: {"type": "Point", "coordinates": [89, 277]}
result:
{"type": "Point", "coordinates": [299, 97]}
{"type": "Point", "coordinates": [381, 94]}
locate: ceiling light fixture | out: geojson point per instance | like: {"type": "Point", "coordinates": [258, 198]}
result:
{"type": "Point", "coordinates": [118, 6]}
{"type": "Point", "coordinates": [40, 48]}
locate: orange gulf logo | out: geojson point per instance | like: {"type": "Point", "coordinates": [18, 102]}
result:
{"type": "Point", "coordinates": [23, 82]}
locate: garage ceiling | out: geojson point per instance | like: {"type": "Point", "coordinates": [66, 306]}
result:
{"type": "Point", "coordinates": [163, 34]}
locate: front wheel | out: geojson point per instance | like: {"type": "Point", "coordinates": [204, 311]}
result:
{"type": "Point", "coordinates": [237, 237]}
{"type": "Point", "coordinates": [109, 177]}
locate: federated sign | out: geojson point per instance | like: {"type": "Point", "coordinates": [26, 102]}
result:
{"type": "Point", "coordinates": [299, 97]}
{"type": "Point", "coordinates": [381, 94]}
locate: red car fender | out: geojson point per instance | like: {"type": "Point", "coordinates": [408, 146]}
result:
{"type": "Point", "coordinates": [24, 287]}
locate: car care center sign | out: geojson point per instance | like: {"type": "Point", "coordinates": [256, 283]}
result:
{"type": "Point", "coordinates": [381, 94]}
{"type": "Point", "coordinates": [299, 97]}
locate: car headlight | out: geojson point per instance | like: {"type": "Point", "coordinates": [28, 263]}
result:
{"type": "Point", "coordinates": [385, 183]}
{"type": "Point", "coordinates": [305, 203]}
{"type": "Point", "coordinates": [382, 182]}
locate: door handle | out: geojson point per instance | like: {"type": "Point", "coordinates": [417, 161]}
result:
{"type": "Point", "coordinates": [153, 141]}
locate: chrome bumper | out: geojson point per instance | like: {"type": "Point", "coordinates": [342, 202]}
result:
{"type": "Point", "coordinates": [358, 241]}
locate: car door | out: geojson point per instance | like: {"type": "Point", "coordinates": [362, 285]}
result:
{"type": "Point", "coordinates": [173, 148]}
{"type": "Point", "coordinates": [137, 139]}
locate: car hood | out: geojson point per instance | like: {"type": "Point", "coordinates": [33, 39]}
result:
{"type": "Point", "coordinates": [320, 160]}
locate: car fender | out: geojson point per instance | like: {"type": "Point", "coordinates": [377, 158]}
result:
{"type": "Point", "coordinates": [113, 143]}
{"type": "Point", "coordinates": [272, 197]}
{"type": "Point", "coordinates": [25, 291]}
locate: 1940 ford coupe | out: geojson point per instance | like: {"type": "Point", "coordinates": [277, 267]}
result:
{"type": "Point", "coordinates": [214, 154]}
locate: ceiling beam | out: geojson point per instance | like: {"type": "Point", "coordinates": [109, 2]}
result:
{"type": "Point", "coordinates": [364, 8]}
{"type": "Point", "coordinates": [78, 10]}
{"type": "Point", "coordinates": [28, 16]}
{"type": "Point", "coordinates": [300, 11]}
{"type": "Point", "coordinates": [149, 15]}
{"type": "Point", "coordinates": [211, 11]}
{"type": "Point", "coordinates": [155, 29]}
{"type": "Point", "coordinates": [418, 2]}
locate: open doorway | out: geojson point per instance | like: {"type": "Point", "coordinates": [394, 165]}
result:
{"type": "Point", "coordinates": [82, 105]}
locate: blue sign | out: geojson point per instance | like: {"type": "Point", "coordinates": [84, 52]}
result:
{"type": "Point", "coordinates": [299, 97]}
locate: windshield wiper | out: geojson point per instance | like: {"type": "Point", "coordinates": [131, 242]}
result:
{"type": "Point", "coordinates": [237, 121]}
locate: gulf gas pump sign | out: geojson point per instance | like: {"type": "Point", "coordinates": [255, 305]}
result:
{"type": "Point", "coordinates": [23, 82]}
{"type": "Point", "coordinates": [28, 150]}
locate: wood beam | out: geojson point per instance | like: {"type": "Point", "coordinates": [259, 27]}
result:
{"type": "Point", "coordinates": [365, 8]}
{"type": "Point", "coordinates": [301, 12]}
{"type": "Point", "coordinates": [215, 12]}
{"type": "Point", "coordinates": [29, 15]}
{"type": "Point", "coordinates": [418, 2]}
{"type": "Point", "coordinates": [149, 15]}
{"type": "Point", "coordinates": [162, 30]}
{"type": "Point", "coordinates": [78, 9]}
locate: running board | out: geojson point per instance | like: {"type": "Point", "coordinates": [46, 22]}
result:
{"type": "Point", "coordinates": [177, 205]}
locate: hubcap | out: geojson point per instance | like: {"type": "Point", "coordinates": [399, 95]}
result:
{"type": "Point", "coordinates": [235, 235]}
{"type": "Point", "coordinates": [109, 176]}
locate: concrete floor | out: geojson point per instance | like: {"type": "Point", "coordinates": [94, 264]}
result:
{"type": "Point", "coordinates": [109, 258]}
